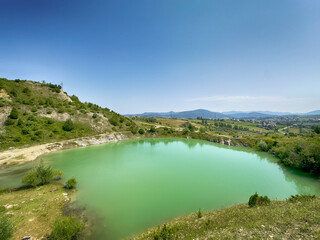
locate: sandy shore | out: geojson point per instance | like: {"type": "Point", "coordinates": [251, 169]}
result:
{"type": "Point", "coordinates": [21, 155]}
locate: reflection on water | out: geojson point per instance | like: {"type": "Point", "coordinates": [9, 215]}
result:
{"type": "Point", "coordinates": [134, 185]}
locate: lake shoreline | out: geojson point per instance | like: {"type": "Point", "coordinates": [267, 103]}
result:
{"type": "Point", "coordinates": [16, 156]}
{"type": "Point", "coordinates": [28, 154]}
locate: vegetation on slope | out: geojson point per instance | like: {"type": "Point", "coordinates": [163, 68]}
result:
{"type": "Point", "coordinates": [36, 209]}
{"type": "Point", "coordinates": [33, 113]}
{"type": "Point", "coordinates": [300, 151]}
{"type": "Point", "coordinates": [295, 218]}
{"type": "Point", "coordinates": [32, 211]}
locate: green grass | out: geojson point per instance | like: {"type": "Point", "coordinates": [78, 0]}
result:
{"type": "Point", "coordinates": [298, 219]}
{"type": "Point", "coordinates": [41, 109]}
{"type": "Point", "coordinates": [34, 210]}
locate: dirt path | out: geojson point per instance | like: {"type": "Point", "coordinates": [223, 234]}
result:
{"type": "Point", "coordinates": [21, 155]}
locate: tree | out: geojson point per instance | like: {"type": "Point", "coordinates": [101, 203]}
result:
{"type": "Point", "coordinates": [68, 126]}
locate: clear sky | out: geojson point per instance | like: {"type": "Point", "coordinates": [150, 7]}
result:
{"type": "Point", "coordinates": [162, 55]}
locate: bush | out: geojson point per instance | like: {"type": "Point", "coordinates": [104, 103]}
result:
{"type": "Point", "coordinates": [26, 90]}
{"type": "Point", "coordinates": [9, 122]}
{"type": "Point", "coordinates": [141, 131]}
{"type": "Point", "coordinates": [256, 200]}
{"type": "Point", "coordinates": [301, 198]}
{"type": "Point", "coordinates": [50, 121]}
{"type": "Point", "coordinates": [199, 214]}
{"type": "Point", "coordinates": [114, 121]}
{"type": "Point", "coordinates": [71, 183]}
{"type": "Point", "coordinates": [14, 113]}
{"type": "Point", "coordinates": [152, 129]}
{"type": "Point", "coordinates": [94, 115]}
{"type": "Point", "coordinates": [262, 145]}
{"type": "Point", "coordinates": [25, 131]}
{"type": "Point", "coordinates": [66, 228]}
{"type": "Point", "coordinates": [165, 233]}
{"type": "Point", "coordinates": [57, 174]}
{"type": "Point", "coordinates": [41, 175]}
{"type": "Point", "coordinates": [6, 227]}
{"type": "Point", "coordinates": [68, 126]}
{"type": "Point", "coordinates": [317, 129]}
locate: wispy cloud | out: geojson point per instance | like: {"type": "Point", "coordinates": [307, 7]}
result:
{"type": "Point", "coordinates": [254, 103]}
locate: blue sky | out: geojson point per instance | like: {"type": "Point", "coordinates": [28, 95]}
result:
{"type": "Point", "coordinates": [162, 55]}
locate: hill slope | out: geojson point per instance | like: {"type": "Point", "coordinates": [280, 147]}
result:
{"type": "Point", "coordinates": [297, 219]}
{"type": "Point", "coordinates": [193, 114]}
{"type": "Point", "coordinates": [33, 113]}
{"type": "Point", "coordinates": [185, 114]}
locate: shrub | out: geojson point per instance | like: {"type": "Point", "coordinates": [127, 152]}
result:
{"type": "Point", "coordinates": [133, 130]}
{"type": "Point", "coordinates": [152, 129]}
{"type": "Point", "coordinates": [199, 213]}
{"type": "Point", "coordinates": [71, 183]}
{"type": "Point", "coordinates": [20, 122]}
{"type": "Point", "coordinates": [14, 113]}
{"type": "Point", "coordinates": [65, 228]}
{"type": "Point", "coordinates": [256, 200]}
{"type": "Point", "coordinates": [301, 198]}
{"type": "Point", "coordinates": [68, 126]}
{"type": "Point", "coordinates": [6, 227]}
{"type": "Point", "coordinates": [57, 174]}
{"type": "Point", "coordinates": [74, 98]}
{"type": "Point", "coordinates": [41, 175]}
{"type": "Point", "coordinates": [317, 129]}
{"type": "Point", "coordinates": [114, 121]}
{"type": "Point", "coordinates": [2, 209]}
{"type": "Point", "coordinates": [165, 233]}
{"type": "Point", "coordinates": [9, 122]}
{"type": "Point", "coordinates": [50, 121]}
{"type": "Point", "coordinates": [262, 145]}
{"type": "Point", "coordinates": [94, 115]}
{"type": "Point", "coordinates": [141, 131]}
{"type": "Point", "coordinates": [26, 90]}
{"type": "Point", "coordinates": [13, 93]}
{"type": "Point", "coordinates": [24, 131]}
{"type": "Point", "coordinates": [34, 109]}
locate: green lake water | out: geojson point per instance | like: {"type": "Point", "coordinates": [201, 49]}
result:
{"type": "Point", "coordinates": [133, 185]}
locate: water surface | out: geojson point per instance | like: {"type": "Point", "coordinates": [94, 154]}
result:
{"type": "Point", "coordinates": [134, 185]}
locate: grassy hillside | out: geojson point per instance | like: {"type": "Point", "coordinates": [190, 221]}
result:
{"type": "Point", "coordinates": [32, 211]}
{"type": "Point", "coordinates": [33, 113]}
{"type": "Point", "coordinates": [295, 218]}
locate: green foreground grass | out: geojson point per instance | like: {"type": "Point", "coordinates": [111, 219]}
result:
{"type": "Point", "coordinates": [297, 219]}
{"type": "Point", "coordinates": [33, 211]}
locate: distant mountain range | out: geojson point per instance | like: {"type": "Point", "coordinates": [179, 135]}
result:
{"type": "Point", "coordinates": [193, 114]}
